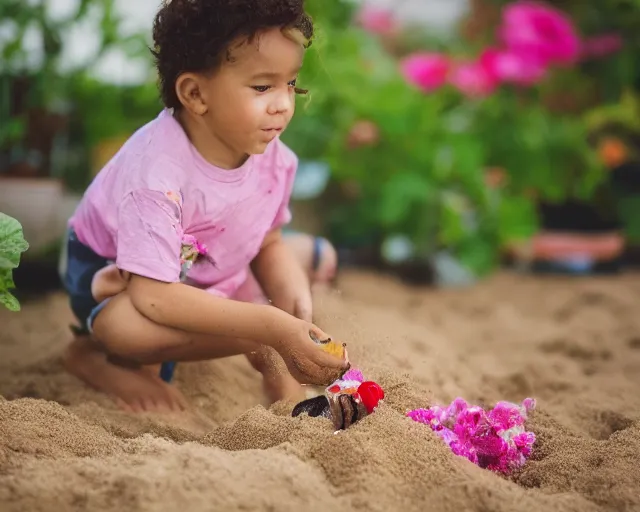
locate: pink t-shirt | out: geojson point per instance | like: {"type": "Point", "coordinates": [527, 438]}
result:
{"type": "Point", "coordinates": [159, 189]}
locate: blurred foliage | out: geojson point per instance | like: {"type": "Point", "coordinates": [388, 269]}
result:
{"type": "Point", "coordinates": [423, 179]}
{"type": "Point", "coordinates": [426, 176]}
{"type": "Point", "coordinates": [36, 80]}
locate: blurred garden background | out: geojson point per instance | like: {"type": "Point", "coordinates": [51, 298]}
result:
{"type": "Point", "coordinates": [441, 139]}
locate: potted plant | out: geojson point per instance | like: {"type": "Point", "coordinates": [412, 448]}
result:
{"type": "Point", "coordinates": [37, 102]}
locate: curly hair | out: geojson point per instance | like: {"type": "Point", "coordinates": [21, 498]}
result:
{"type": "Point", "coordinates": [195, 35]}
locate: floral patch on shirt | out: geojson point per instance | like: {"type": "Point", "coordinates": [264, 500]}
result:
{"type": "Point", "coordinates": [191, 251]}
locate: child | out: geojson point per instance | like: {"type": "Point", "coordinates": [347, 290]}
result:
{"type": "Point", "coordinates": [183, 225]}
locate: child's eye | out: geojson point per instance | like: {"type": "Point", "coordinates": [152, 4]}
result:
{"type": "Point", "coordinates": [261, 88]}
{"type": "Point", "coordinates": [293, 83]}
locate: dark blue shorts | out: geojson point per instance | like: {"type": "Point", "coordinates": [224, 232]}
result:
{"type": "Point", "coordinates": [79, 265]}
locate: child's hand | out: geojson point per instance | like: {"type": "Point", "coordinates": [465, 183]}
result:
{"type": "Point", "coordinates": [305, 360]}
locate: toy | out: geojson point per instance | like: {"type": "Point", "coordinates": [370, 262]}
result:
{"type": "Point", "coordinates": [331, 347]}
{"type": "Point", "coordinates": [346, 401]}
{"type": "Point", "coordinates": [495, 440]}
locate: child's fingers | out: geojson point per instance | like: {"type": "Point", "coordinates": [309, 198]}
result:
{"type": "Point", "coordinates": [323, 370]}
{"type": "Point", "coordinates": [329, 361]}
{"type": "Point", "coordinates": [317, 333]}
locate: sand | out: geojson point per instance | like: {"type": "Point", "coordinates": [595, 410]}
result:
{"type": "Point", "coordinates": [574, 345]}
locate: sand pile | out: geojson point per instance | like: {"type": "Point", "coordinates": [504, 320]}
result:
{"type": "Point", "coordinates": [572, 345]}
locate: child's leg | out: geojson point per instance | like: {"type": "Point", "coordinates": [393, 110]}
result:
{"type": "Point", "coordinates": [108, 282]}
{"type": "Point", "coordinates": [316, 255]}
{"type": "Point", "coordinates": [120, 362]}
{"type": "Point", "coordinates": [140, 387]}
{"type": "Point", "coordinates": [128, 336]}
{"type": "Point", "coordinates": [133, 389]}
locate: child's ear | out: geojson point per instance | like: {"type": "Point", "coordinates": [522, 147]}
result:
{"type": "Point", "coordinates": [189, 92]}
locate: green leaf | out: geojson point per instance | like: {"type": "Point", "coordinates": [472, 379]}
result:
{"type": "Point", "coordinates": [9, 301]}
{"type": "Point", "coordinates": [12, 242]}
{"type": "Point", "coordinates": [12, 130]}
{"type": "Point", "coordinates": [400, 193]}
{"type": "Point", "coordinates": [6, 279]}
{"type": "Point", "coordinates": [12, 245]}
{"type": "Point", "coordinates": [452, 228]}
{"type": "Point", "coordinates": [517, 219]}
{"type": "Point", "coordinates": [478, 254]}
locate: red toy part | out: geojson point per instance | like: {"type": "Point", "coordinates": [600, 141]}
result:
{"type": "Point", "coordinates": [370, 394]}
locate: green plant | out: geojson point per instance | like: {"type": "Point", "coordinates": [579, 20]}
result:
{"type": "Point", "coordinates": [38, 90]}
{"type": "Point", "coordinates": [12, 245]}
{"type": "Point", "coordinates": [424, 178]}
{"type": "Point", "coordinates": [49, 75]}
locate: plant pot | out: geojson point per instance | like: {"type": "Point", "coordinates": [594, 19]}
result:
{"type": "Point", "coordinates": [39, 205]}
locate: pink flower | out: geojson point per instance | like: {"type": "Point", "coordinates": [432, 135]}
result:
{"type": "Point", "coordinates": [473, 79]}
{"type": "Point", "coordinates": [601, 46]}
{"type": "Point", "coordinates": [494, 439]}
{"type": "Point", "coordinates": [539, 31]}
{"type": "Point", "coordinates": [376, 19]}
{"type": "Point", "coordinates": [509, 66]}
{"type": "Point", "coordinates": [191, 244]}
{"type": "Point", "coordinates": [505, 416]}
{"type": "Point", "coordinates": [353, 374]}
{"type": "Point", "coordinates": [428, 71]}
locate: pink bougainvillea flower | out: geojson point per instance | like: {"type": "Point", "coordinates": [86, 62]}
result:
{"type": "Point", "coordinates": [473, 79]}
{"type": "Point", "coordinates": [538, 30]}
{"type": "Point", "coordinates": [509, 66]}
{"type": "Point", "coordinates": [495, 439]}
{"type": "Point", "coordinates": [601, 46]}
{"type": "Point", "coordinates": [376, 20]}
{"type": "Point", "coordinates": [427, 71]}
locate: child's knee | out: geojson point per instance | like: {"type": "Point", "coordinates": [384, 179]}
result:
{"type": "Point", "coordinates": [108, 282]}
{"type": "Point", "coordinates": [328, 262]}
{"type": "Point", "coordinates": [316, 254]}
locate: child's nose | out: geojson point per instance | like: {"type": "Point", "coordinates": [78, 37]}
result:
{"type": "Point", "coordinates": [282, 103]}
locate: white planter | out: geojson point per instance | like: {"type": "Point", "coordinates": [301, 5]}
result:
{"type": "Point", "coordinates": [39, 205]}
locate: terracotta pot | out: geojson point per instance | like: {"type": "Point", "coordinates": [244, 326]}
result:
{"type": "Point", "coordinates": [556, 246]}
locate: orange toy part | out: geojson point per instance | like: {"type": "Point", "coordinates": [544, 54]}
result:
{"type": "Point", "coordinates": [331, 347]}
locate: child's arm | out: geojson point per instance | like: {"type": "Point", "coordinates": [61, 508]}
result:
{"type": "Point", "coordinates": [188, 308]}
{"type": "Point", "coordinates": [282, 277]}
{"type": "Point", "coordinates": [184, 307]}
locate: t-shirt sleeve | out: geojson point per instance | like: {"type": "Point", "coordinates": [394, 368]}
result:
{"type": "Point", "coordinates": [149, 234]}
{"type": "Point", "coordinates": [287, 163]}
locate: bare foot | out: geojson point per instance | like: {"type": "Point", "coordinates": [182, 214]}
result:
{"type": "Point", "coordinates": [133, 389]}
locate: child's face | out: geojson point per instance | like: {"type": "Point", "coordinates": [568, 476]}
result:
{"type": "Point", "coordinates": [250, 99]}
